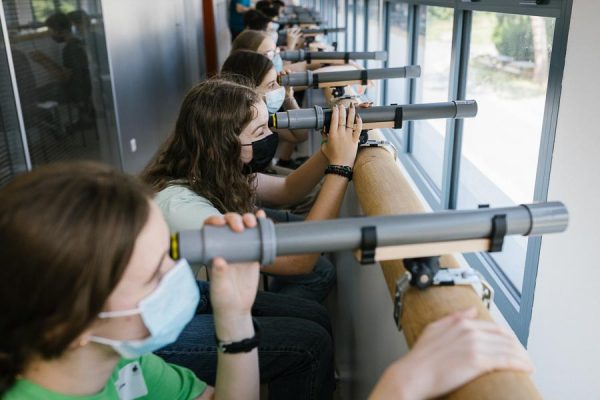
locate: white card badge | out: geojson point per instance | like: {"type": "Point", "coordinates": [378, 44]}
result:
{"type": "Point", "coordinates": [130, 384]}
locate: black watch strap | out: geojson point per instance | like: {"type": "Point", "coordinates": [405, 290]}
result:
{"type": "Point", "coordinates": [243, 346]}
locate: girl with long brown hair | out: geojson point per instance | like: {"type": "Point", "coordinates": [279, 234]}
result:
{"type": "Point", "coordinates": [89, 292]}
{"type": "Point", "coordinates": [211, 164]}
{"type": "Point", "coordinates": [261, 73]}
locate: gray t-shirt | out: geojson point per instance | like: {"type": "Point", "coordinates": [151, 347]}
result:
{"type": "Point", "coordinates": [183, 208]}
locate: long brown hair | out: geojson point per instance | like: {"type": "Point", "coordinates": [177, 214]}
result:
{"type": "Point", "coordinates": [249, 40]}
{"type": "Point", "coordinates": [250, 64]}
{"type": "Point", "coordinates": [203, 152]}
{"type": "Point", "coordinates": [67, 232]}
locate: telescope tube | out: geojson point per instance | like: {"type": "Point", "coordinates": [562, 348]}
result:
{"type": "Point", "coordinates": [328, 79]}
{"type": "Point", "coordinates": [269, 240]}
{"type": "Point", "coordinates": [315, 31]}
{"type": "Point", "coordinates": [375, 117]}
{"type": "Point", "coordinates": [308, 56]}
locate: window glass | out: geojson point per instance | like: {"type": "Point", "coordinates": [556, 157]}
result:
{"type": "Point", "coordinates": [396, 92]}
{"type": "Point", "coordinates": [434, 57]}
{"type": "Point", "coordinates": [508, 76]}
{"type": "Point", "coordinates": [12, 156]}
{"type": "Point", "coordinates": [350, 25]}
{"type": "Point", "coordinates": [63, 80]}
{"type": "Point", "coordinates": [374, 43]}
{"type": "Point", "coordinates": [359, 43]}
{"type": "Point", "coordinates": [341, 23]}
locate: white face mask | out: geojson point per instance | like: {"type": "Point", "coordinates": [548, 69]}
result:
{"type": "Point", "coordinates": [165, 312]}
{"type": "Point", "coordinates": [274, 99]}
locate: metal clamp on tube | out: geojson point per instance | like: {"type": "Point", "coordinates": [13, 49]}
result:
{"type": "Point", "coordinates": [323, 56]}
{"type": "Point", "coordinates": [397, 237]}
{"type": "Point", "coordinates": [375, 117]}
{"type": "Point", "coordinates": [343, 78]}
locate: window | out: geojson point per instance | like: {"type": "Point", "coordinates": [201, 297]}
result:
{"type": "Point", "coordinates": [341, 23]}
{"type": "Point", "coordinates": [396, 90]}
{"type": "Point", "coordinates": [350, 25]}
{"type": "Point", "coordinates": [63, 81]}
{"type": "Point", "coordinates": [359, 23]}
{"type": "Point", "coordinates": [509, 57]}
{"type": "Point", "coordinates": [12, 154]}
{"type": "Point", "coordinates": [434, 55]}
{"type": "Point", "coordinates": [508, 76]}
{"type": "Point", "coordinates": [374, 44]}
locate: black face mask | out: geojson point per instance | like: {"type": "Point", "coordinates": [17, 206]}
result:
{"type": "Point", "coordinates": [263, 151]}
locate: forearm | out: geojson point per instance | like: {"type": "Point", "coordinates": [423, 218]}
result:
{"type": "Point", "coordinates": [327, 206]}
{"type": "Point", "coordinates": [237, 374]}
{"type": "Point", "coordinates": [303, 180]}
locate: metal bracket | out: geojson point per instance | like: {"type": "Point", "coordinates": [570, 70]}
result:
{"type": "Point", "coordinates": [379, 143]}
{"type": "Point", "coordinates": [444, 277]}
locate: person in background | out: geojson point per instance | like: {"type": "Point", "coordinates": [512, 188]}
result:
{"type": "Point", "coordinates": [237, 8]}
{"type": "Point", "coordinates": [91, 250]}
{"type": "Point", "coordinates": [263, 76]}
{"type": "Point", "coordinates": [74, 73]}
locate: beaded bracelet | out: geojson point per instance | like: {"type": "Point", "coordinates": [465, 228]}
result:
{"type": "Point", "coordinates": [341, 170]}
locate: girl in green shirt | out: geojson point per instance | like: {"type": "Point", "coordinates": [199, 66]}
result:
{"type": "Point", "coordinates": [89, 291]}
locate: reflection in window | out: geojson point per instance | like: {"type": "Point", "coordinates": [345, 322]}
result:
{"type": "Point", "coordinates": [434, 56]}
{"type": "Point", "coordinates": [63, 79]}
{"type": "Point", "coordinates": [396, 92]}
{"type": "Point", "coordinates": [12, 156]}
{"type": "Point", "coordinates": [508, 75]}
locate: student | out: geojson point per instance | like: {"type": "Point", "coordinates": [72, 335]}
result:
{"type": "Point", "coordinates": [262, 75]}
{"type": "Point", "coordinates": [237, 8]}
{"type": "Point", "coordinates": [263, 43]}
{"type": "Point", "coordinates": [73, 75]}
{"type": "Point", "coordinates": [90, 250]}
{"type": "Point", "coordinates": [255, 19]}
{"type": "Point", "coordinates": [212, 164]}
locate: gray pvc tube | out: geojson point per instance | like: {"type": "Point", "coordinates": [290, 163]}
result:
{"type": "Point", "coordinates": [317, 117]}
{"type": "Point", "coordinates": [315, 30]}
{"type": "Point", "coordinates": [301, 55]}
{"type": "Point", "coordinates": [269, 240]}
{"type": "Point", "coordinates": [309, 78]}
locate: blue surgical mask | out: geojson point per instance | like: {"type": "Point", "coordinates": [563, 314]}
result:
{"type": "Point", "coordinates": [277, 62]}
{"type": "Point", "coordinates": [274, 99]}
{"type": "Point", "coordinates": [165, 312]}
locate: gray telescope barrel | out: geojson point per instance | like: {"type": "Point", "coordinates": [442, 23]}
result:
{"type": "Point", "coordinates": [317, 117]}
{"type": "Point", "coordinates": [301, 20]}
{"type": "Point", "coordinates": [301, 55]}
{"type": "Point", "coordinates": [313, 31]}
{"type": "Point", "coordinates": [269, 240]}
{"type": "Point", "coordinates": [310, 78]}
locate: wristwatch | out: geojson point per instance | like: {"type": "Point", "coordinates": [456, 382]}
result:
{"type": "Point", "coordinates": [243, 346]}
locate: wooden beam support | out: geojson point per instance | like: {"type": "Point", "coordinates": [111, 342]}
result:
{"type": "Point", "coordinates": [383, 189]}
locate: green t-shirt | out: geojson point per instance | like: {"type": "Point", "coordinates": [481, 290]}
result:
{"type": "Point", "coordinates": [146, 377]}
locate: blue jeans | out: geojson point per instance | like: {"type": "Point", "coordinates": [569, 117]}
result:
{"type": "Point", "coordinates": [295, 352]}
{"type": "Point", "coordinates": [315, 285]}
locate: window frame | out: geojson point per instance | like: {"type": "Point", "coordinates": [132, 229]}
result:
{"type": "Point", "coordinates": [516, 307]}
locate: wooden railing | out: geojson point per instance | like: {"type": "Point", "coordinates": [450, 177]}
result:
{"type": "Point", "coordinates": [382, 189]}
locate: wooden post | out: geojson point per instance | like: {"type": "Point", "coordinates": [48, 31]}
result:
{"type": "Point", "coordinates": [382, 189]}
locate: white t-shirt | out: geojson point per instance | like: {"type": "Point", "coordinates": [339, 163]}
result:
{"type": "Point", "coordinates": [183, 208]}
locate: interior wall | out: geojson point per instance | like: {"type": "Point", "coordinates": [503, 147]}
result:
{"type": "Point", "coordinates": [366, 337]}
{"type": "Point", "coordinates": [155, 52]}
{"type": "Point", "coordinates": [565, 324]}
